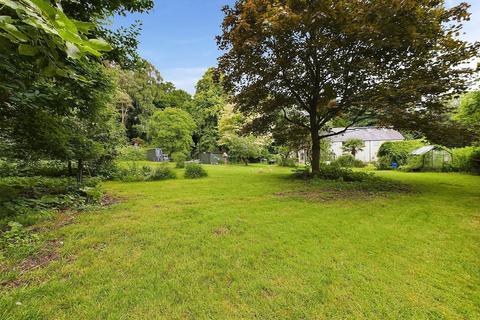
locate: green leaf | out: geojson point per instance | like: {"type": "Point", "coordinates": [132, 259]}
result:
{"type": "Point", "coordinates": [83, 27]}
{"type": "Point", "coordinates": [39, 24]}
{"type": "Point", "coordinates": [15, 5]}
{"type": "Point", "coordinates": [11, 29]}
{"type": "Point", "coordinates": [70, 36]}
{"type": "Point", "coordinates": [45, 6]}
{"type": "Point", "coordinates": [62, 20]}
{"type": "Point", "coordinates": [6, 19]}
{"type": "Point", "coordinates": [99, 44]}
{"type": "Point", "coordinates": [27, 50]}
{"type": "Point", "coordinates": [90, 50]}
{"type": "Point", "coordinates": [9, 37]}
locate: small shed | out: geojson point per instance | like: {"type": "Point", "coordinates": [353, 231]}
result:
{"type": "Point", "coordinates": [433, 157]}
{"type": "Point", "coordinates": [212, 158]}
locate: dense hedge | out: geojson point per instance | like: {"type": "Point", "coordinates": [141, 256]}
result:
{"type": "Point", "coordinates": [396, 151]}
{"type": "Point", "coordinates": [466, 159]}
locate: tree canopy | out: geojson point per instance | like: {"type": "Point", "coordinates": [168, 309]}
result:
{"type": "Point", "coordinates": [315, 61]}
{"type": "Point", "coordinates": [207, 105]}
{"type": "Point", "coordinates": [171, 129]}
{"type": "Point", "coordinates": [124, 40]}
{"type": "Point", "coordinates": [468, 113]}
{"type": "Point", "coordinates": [56, 95]}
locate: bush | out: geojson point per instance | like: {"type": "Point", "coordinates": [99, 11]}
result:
{"type": "Point", "coordinates": [396, 151]}
{"type": "Point", "coordinates": [132, 153]}
{"type": "Point", "coordinates": [414, 164]}
{"type": "Point", "coordinates": [46, 168]}
{"type": "Point", "coordinates": [194, 171]}
{"type": "Point", "coordinates": [134, 173]}
{"type": "Point", "coordinates": [475, 160]}
{"type": "Point", "coordinates": [334, 172]}
{"type": "Point", "coordinates": [131, 173]}
{"type": "Point", "coordinates": [162, 173]}
{"type": "Point", "coordinates": [349, 161]}
{"type": "Point", "coordinates": [466, 159]}
{"type": "Point", "coordinates": [285, 161]}
{"type": "Point", "coordinates": [179, 158]}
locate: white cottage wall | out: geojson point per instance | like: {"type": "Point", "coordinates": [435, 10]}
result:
{"type": "Point", "coordinates": [368, 154]}
{"type": "Point", "coordinates": [373, 138]}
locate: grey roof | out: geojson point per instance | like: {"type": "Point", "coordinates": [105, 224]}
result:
{"type": "Point", "coordinates": [422, 150]}
{"type": "Point", "coordinates": [367, 134]}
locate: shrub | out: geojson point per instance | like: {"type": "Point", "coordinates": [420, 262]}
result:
{"type": "Point", "coordinates": [134, 173]}
{"type": "Point", "coordinates": [194, 171]}
{"type": "Point", "coordinates": [414, 164]}
{"type": "Point", "coordinates": [131, 173]}
{"type": "Point", "coordinates": [466, 159]}
{"type": "Point", "coordinates": [179, 158]}
{"type": "Point", "coordinates": [349, 161]}
{"type": "Point", "coordinates": [162, 173]}
{"type": "Point", "coordinates": [285, 161]}
{"type": "Point", "coordinates": [475, 160]}
{"type": "Point", "coordinates": [46, 168]}
{"type": "Point", "coordinates": [132, 153]}
{"type": "Point", "coordinates": [396, 151]}
{"type": "Point", "coordinates": [334, 172]}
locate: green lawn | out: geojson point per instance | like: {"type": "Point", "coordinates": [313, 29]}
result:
{"type": "Point", "coordinates": [248, 242]}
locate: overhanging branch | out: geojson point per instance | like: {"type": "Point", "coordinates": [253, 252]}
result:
{"type": "Point", "coordinates": [294, 122]}
{"type": "Point", "coordinates": [355, 121]}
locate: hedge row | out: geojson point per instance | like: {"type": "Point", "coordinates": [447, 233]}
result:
{"type": "Point", "coordinates": [396, 151]}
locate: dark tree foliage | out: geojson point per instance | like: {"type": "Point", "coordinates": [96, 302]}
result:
{"type": "Point", "coordinates": [63, 119]}
{"type": "Point", "coordinates": [147, 91]}
{"type": "Point", "coordinates": [207, 104]}
{"type": "Point", "coordinates": [37, 39]}
{"type": "Point", "coordinates": [315, 61]}
{"type": "Point", "coordinates": [125, 39]}
{"type": "Point", "coordinates": [86, 9]}
{"type": "Point", "coordinates": [170, 96]}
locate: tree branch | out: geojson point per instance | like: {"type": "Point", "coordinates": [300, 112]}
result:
{"type": "Point", "coordinates": [292, 121]}
{"type": "Point", "coordinates": [355, 121]}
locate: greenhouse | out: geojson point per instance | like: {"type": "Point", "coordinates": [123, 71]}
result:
{"type": "Point", "coordinates": [431, 158]}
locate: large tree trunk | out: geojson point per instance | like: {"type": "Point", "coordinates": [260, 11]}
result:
{"type": "Point", "coordinates": [315, 151]}
{"type": "Point", "coordinates": [70, 171]}
{"type": "Point", "coordinates": [80, 171]}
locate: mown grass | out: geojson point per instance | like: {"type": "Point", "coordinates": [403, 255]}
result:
{"type": "Point", "coordinates": [249, 242]}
